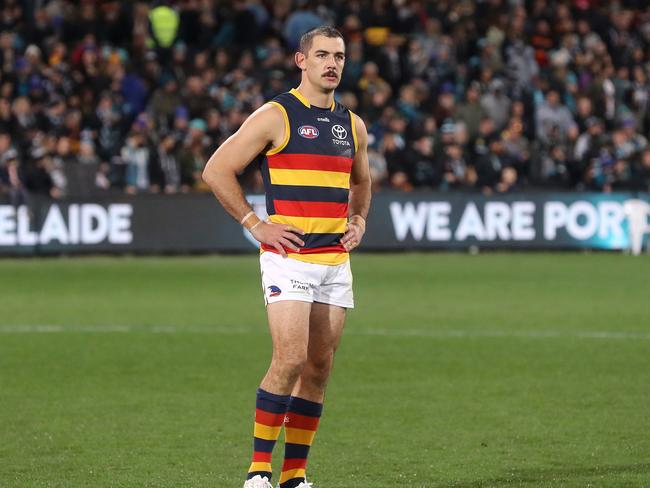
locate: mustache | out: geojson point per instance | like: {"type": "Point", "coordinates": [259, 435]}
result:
{"type": "Point", "coordinates": [331, 73]}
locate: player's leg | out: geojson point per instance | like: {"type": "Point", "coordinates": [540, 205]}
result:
{"type": "Point", "coordinates": [306, 403]}
{"type": "Point", "coordinates": [326, 324]}
{"type": "Point", "coordinates": [289, 323]}
{"type": "Point", "coordinates": [289, 326]}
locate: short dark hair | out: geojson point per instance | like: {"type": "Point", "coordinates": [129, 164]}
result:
{"type": "Point", "coordinates": [308, 37]}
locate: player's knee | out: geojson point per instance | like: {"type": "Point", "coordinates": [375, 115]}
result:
{"type": "Point", "coordinates": [289, 367]}
{"type": "Point", "coordinates": [318, 370]}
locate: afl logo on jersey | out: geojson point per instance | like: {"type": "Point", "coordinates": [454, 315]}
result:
{"type": "Point", "coordinates": [308, 131]}
{"type": "Point", "coordinates": [339, 132]}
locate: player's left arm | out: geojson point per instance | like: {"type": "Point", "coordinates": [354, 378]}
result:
{"type": "Point", "coordinates": [360, 190]}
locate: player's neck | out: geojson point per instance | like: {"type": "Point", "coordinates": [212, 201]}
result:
{"type": "Point", "coordinates": [315, 97]}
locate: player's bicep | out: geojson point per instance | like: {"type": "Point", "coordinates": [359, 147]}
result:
{"type": "Point", "coordinates": [253, 137]}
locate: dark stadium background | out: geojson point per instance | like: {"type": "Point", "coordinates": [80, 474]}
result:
{"type": "Point", "coordinates": [464, 101]}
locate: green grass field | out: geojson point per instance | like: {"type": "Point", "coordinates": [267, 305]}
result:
{"type": "Point", "coordinates": [455, 371]}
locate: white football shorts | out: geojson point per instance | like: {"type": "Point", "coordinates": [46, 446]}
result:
{"type": "Point", "coordinates": [290, 279]}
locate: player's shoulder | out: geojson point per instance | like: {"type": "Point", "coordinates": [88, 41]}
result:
{"type": "Point", "coordinates": [283, 98]}
{"type": "Point", "coordinates": [263, 124]}
{"type": "Point", "coordinates": [280, 106]}
{"type": "Point", "coordinates": [358, 120]}
{"type": "Point", "coordinates": [267, 115]}
{"type": "Point", "coordinates": [359, 125]}
{"type": "Point", "coordinates": [344, 110]}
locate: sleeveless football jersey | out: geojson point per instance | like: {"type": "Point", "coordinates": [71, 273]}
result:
{"type": "Point", "coordinates": [307, 177]}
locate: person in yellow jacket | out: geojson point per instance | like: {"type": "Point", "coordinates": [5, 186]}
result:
{"type": "Point", "coordinates": [163, 24]}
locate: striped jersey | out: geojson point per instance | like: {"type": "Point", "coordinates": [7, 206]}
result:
{"type": "Point", "coordinates": [307, 177]}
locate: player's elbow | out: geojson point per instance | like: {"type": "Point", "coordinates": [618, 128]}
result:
{"type": "Point", "coordinates": [210, 174]}
{"type": "Point", "coordinates": [361, 183]}
{"type": "Point", "coordinates": [219, 177]}
{"type": "Point", "coordinates": [207, 176]}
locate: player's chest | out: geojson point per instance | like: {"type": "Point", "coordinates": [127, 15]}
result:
{"type": "Point", "coordinates": [325, 133]}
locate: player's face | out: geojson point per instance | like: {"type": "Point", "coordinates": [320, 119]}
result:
{"type": "Point", "coordinates": [324, 62]}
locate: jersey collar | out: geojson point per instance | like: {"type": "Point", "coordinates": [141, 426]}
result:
{"type": "Point", "coordinates": [304, 101]}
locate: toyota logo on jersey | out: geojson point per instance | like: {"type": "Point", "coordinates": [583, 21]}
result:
{"type": "Point", "coordinates": [308, 131]}
{"type": "Point", "coordinates": [339, 132]}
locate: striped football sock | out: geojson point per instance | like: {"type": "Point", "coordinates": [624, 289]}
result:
{"type": "Point", "coordinates": [299, 429]}
{"type": "Point", "coordinates": [269, 417]}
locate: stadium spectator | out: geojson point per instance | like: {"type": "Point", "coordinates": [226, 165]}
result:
{"type": "Point", "coordinates": [421, 166]}
{"type": "Point", "coordinates": [555, 166]}
{"type": "Point", "coordinates": [517, 147]}
{"type": "Point", "coordinates": [39, 177]}
{"type": "Point", "coordinates": [491, 162]}
{"type": "Point", "coordinates": [164, 22]}
{"type": "Point", "coordinates": [521, 65]}
{"type": "Point", "coordinates": [301, 20]}
{"type": "Point", "coordinates": [5, 151]}
{"type": "Point", "coordinates": [136, 156]}
{"type": "Point", "coordinates": [15, 179]}
{"type": "Point", "coordinates": [496, 103]}
{"type": "Point", "coordinates": [378, 168]}
{"type": "Point", "coordinates": [169, 164]}
{"type": "Point", "coordinates": [508, 181]}
{"type": "Point", "coordinates": [372, 84]}
{"type": "Point", "coordinates": [471, 112]}
{"type": "Point", "coordinates": [164, 100]}
{"type": "Point", "coordinates": [641, 171]}
{"type": "Point", "coordinates": [457, 173]}
{"type": "Point", "coordinates": [551, 117]}
{"type": "Point", "coordinates": [589, 142]}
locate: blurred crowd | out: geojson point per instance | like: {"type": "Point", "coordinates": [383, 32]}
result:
{"type": "Point", "coordinates": [488, 96]}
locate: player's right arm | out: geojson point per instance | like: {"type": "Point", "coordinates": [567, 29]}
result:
{"type": "Point", "coordinates": [263, 128]}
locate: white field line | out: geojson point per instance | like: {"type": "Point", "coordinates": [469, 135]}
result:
{"type": "Point", "coordinates": [356, 331]}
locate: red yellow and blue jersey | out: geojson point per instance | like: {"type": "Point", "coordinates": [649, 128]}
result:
{"type": "Point", "coordinates": [307, 177]}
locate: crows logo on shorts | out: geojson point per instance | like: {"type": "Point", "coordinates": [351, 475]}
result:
{"type": "Point", "coordinates": [275, 291]}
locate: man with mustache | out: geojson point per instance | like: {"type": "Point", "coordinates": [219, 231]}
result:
{"type": "Point", "coordinates": [317, 182]}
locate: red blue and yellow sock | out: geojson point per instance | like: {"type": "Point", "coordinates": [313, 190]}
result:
{"type": "Point", "coordinates": [300, 428]}
{"type": "Point", "coordinates": [269, 417]}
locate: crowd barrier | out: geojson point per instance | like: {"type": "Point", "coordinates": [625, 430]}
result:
{"type": "Point", "coordinates": [196, 223]}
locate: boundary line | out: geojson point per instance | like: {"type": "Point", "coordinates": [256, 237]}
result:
{"type": "Point", "coordinates": [380, 332]}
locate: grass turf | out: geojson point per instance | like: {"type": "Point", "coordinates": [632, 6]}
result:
{"type": "Point", "coordinates": [454, 371]}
